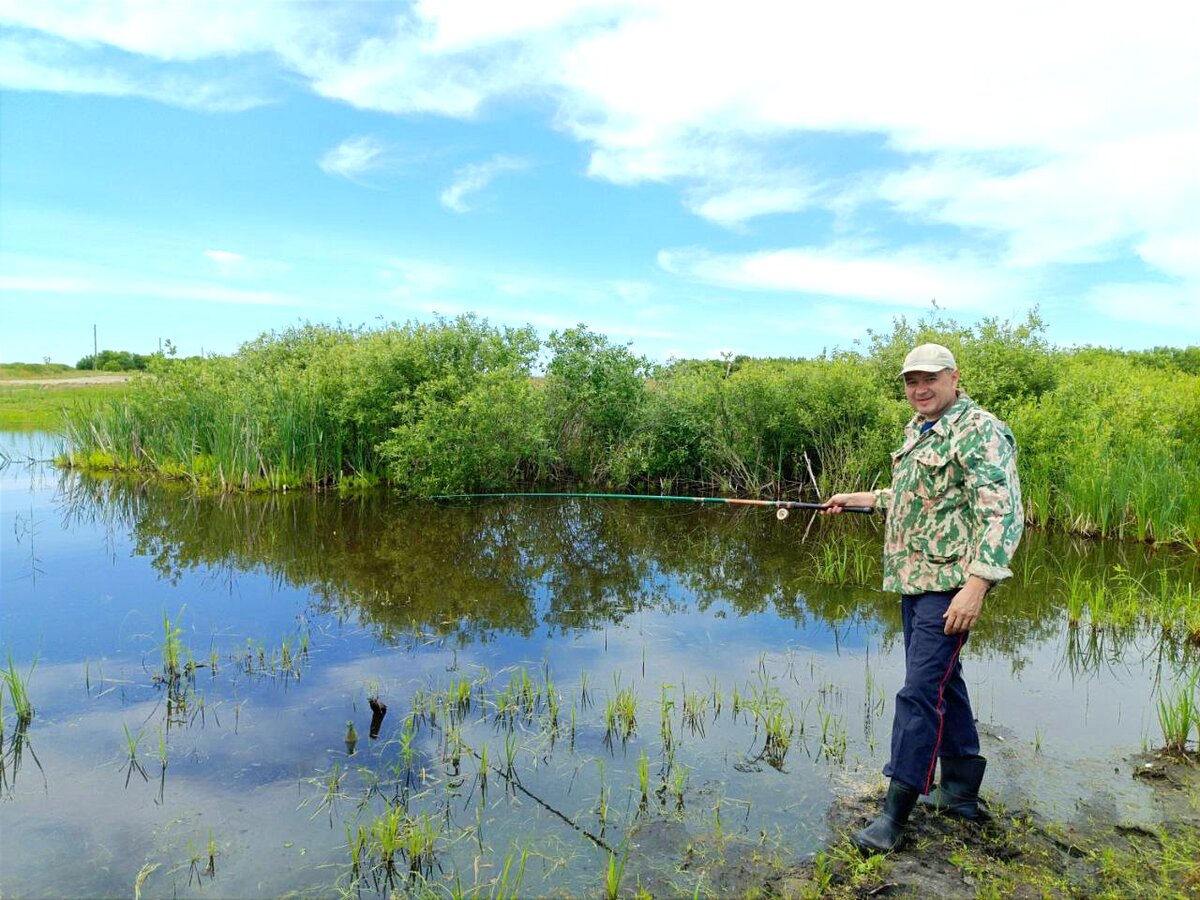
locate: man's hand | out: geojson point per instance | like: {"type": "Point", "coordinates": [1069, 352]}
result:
{"type": "Point", "coordinates": [834, 504]}
{"type": "Point", "coordinates": [964, 608]}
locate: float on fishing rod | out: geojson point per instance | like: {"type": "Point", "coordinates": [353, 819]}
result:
{"type": "Point", "coordinates": [782, 507]}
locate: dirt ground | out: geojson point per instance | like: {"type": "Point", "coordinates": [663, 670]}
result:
{"type": "Point", "coordinates": [98, 378]}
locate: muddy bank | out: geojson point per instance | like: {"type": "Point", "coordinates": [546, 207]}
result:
{"type": "Point", "coordinates": [1105, 850]}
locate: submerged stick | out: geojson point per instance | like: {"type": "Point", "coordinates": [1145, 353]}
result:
{"type": "Point", "coordinates": [783, 505]}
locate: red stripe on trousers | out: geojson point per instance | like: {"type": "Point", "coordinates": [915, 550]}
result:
{"type": "Point", "coordinates": [942, 713]}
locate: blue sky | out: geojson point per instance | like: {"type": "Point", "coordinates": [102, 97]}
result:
{"type": "Point", "coordinates": [692, 178]}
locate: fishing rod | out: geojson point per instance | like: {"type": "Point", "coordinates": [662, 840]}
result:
{"type": "Point", "coordinates": [781, 507]}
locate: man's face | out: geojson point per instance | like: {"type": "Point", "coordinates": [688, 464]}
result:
{"type": "Point", "coordinates": [931, 393]}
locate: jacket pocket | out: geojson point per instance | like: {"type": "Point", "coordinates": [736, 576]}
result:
{"type": "Point", "coordinates": [931, 473]}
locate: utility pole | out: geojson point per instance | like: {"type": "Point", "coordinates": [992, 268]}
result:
{"type": "Point", "coordinates": [95, 348]}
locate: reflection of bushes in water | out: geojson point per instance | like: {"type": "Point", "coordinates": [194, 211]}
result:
{"type": "Point", "coordinates": [1110, 442]}
{"type": "Point", "coordinates": [514, 566]}
{"type": "Point", "coordinates": [1165, 601]}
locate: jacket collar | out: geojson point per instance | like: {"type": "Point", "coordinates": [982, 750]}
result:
{"type": "Point", "coordinates": [942, 426]}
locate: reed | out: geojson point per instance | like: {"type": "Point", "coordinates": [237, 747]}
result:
{"type": "Point", "coordinates": [421, 835]}
{"type": "Point", "coordinates": [507, 885]}
{"type": "Point", "coordinates": [171, 649]}
{"type": "Point", "coordinates": [779, 725]}
{"type": "Point", "coordinates": [133, 748]}
{"type": "Point", "coordinates": [643, 774]}
{"type": "Point", "coordinates": [18, 691]}
{"type": "Point", "coordinates": [1179, 714]}
{"type": "Point", "coordinates": [623, 710]}
{"type": "Point", "coordinates": [614, 873]}
{"type": "Point", "coordinates": [694, 706]}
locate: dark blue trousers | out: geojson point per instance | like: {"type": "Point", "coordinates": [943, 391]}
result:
{"type": "Point", "coordinates": [933, 712]}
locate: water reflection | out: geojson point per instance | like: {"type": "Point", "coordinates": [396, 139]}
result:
{"type": "Point", "coordinates": [471, 571]}
{"type": "Point", "coordinates": [694, 610]}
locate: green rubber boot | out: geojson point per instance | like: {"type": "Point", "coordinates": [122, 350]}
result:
{"type": "Point", "coordinates": [885, 833]}
{"type": "Point", "coordinates": [958, 792]}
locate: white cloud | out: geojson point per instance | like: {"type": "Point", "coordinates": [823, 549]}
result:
{"type": "Point", "coordinates": [1177, 254]}
{"type": "Point", "coordinates": [44, 284]}
{"type": "Point", "coordinates": [224, 257]}
{"type": "Point", "coordinates": [118, 284]}
{"type": "Point", "coordinates": [1173, 305]}
{"type": "Point", "coordinates": [36, 64]}
{"type": "Point", "coordinates": [473, 178]}
{"type": "Point", "coordinates": [906, 278]}
{"type": "Point", "coordinates": [417, 279]}
{"type": "Point", "coordinates": [353, 157]}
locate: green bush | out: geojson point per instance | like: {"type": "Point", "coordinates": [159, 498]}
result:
{"type": "Point", "coordinates": [594, 393]}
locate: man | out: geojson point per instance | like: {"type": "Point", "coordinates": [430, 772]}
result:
{"type": "Point", "coordinates": [954, 519]}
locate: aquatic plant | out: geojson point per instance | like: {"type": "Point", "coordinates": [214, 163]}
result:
{"type": "Point", "coordinates": [1179, 713]}
{"type": "Point", "coordinates": [18, 691]}
{"type": "Point", "coordinates": [614, 873]}
{"type": "Point", "coordinates": [643, 773]}
{"type": "Point", "coordinates": [133, 748]}
{"type": "Point", "coordinates": [507, 885]}
{"type": "Point", "coordinates": [171, 648]}
{"type": "Point", "coordinates": [694, 706]}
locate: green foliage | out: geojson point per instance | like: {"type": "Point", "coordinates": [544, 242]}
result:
{"type": "Point", "coordinates": [1113, 450]}
{"type": "Point", "coordinates": [1002, 364]}
{"type": "Point", "coordinates": [594, 393]}
{"type": "Point", "coordinates": [1171, 359]}
{"type": "Point", "coordinates": [115, 361]}
{"type": "Point", "coordinates": [485, 435]}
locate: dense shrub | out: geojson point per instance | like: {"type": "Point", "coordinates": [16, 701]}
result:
{"type": "Point", "coordinates": [1002, 364]}
{"type": "Point", "coordinates": [594, 393]}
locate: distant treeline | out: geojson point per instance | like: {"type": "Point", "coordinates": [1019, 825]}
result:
{"type": "Point", "coordinates": [115, 361]}
{"type": "Point", "coordinates": [1110, 440]}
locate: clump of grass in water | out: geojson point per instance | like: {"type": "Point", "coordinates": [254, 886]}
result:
{"type": "Point", "coordinates": [694, 706]}
{"type": "Point", "coordinates": [172, 649]}
{"type": "Point", "coordinates": [643, 773]}
{"type": "Point", "coordinates": [620, 713]}
{"type": "Point", "coordinates": [614, 873]}
{"type": "Point", "coordinates": [18, 692]}
{"type": "Point", "coordinates": [779, 732]}
{"type": "Point", "coordinates": [1179, 713]}
{"type": "Point", "coordinates": [502, 889]}
{"type": "Point", "coordinates": [832, 564]}
{"type": "Point", "coordinates": [132, 745]}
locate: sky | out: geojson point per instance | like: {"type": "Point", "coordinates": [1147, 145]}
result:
{"type": "Point", "coordinates": [689, 178]}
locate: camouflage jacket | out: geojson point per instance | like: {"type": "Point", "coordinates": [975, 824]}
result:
{"type": "Point", "coordinates": [954, 507]}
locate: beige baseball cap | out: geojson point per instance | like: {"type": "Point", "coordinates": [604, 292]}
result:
{"type": "Point", "coordinates": [928, 358]}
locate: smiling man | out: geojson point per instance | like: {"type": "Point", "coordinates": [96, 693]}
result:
{"type": "Point", "coordinates": [954, 520]}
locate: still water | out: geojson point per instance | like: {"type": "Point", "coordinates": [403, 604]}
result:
{"type": "Point", "coordinates": [539, 660]}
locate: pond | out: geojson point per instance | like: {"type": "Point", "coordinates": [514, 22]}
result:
{"type": "Point", "coordinates": [567, 683]}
